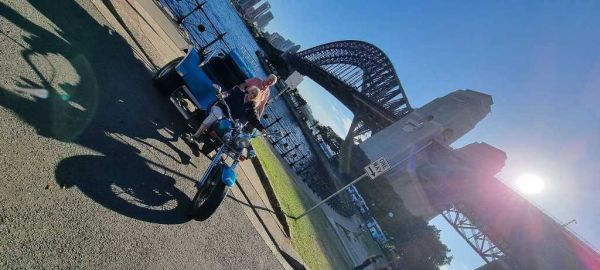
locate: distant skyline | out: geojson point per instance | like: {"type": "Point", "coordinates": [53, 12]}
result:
{"type": "Point", "coordinates": [540, 61]}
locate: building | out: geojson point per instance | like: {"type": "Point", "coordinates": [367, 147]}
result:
{"type": "Point", "coordinates": [460, 111]}
{"type": "Point", "coordinates": [245, 5]}
{"type": "Point", "coordinates": [442, 120]}
{"type": "Point", "coordinates": [274, 36]}
{"type": "Point", "coordinates": [247, 12]}
{"type": "Point", "coordinates": [277, 42]}
{"type": "Point", "coordinates": [263, 20]}
{"type": "Point", "coordinates": [432, 178]}
{"type": "Point", "coordinates": [294, 49]}
{"type": "Point", "coordinates": [282, 44]}
{"type": "Point", "coordinates": [286, 45]}
{"type": "Point", "coordinates": [252, 16]}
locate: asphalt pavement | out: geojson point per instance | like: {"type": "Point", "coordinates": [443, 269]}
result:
{"type": "Point", "coordinates": [92, 173]}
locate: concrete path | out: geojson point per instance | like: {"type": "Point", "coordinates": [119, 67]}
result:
{"type": "Point", "coordinates": [93, 173]}
{"type": "Point", "coordinates": [156, 33]}
{"type": "Point", "coordinates": [155, 37]}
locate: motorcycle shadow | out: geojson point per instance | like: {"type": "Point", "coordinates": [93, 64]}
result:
{"type": "Point", "coordinates": [127, 186]}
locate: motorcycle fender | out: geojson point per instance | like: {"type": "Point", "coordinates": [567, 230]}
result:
{"type": "Point", "coordinates": [228, 176]}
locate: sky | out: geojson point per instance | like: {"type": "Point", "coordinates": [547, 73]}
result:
{"type": "Point", "coordinates": [540, 61]}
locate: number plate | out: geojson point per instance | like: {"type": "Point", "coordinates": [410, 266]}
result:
{"type": "Point", "coordinates": [377, 168]}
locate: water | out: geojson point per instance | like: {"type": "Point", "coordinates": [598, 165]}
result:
{"type": "Point", "coordinates": [223, 15]}
{"type": "Point", "coordinates": [225, 18]}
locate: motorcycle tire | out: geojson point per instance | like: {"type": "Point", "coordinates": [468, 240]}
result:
{"type": "Point", "coordinates": [207, 199]}
{"type": "Point", "coordinates": [166, 79]}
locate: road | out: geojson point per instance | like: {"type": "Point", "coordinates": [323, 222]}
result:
{"type": "Point", "coordinates": [93, 175]}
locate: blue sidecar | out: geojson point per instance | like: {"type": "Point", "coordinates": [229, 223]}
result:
{"type": "Point", "coordinates": [188, 81]}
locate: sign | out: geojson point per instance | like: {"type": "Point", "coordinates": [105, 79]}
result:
{"type": "Point", "coordinates": [377, 168]}
{"type": "Point", "coordinates": [294, 80]}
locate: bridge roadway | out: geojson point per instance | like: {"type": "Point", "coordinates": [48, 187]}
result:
{"type": "Point", "coordinates": [113, 145]}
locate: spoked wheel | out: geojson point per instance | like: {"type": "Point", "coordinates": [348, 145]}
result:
{"type": "Point", "coordinates": [167, 79]}
{"type": "Point", "coordinates": [208, 198]}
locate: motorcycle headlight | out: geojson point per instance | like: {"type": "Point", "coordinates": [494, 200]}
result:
{"type": "Point", "coordinates": [227, 137]}
{"type": "Point", "coordinates": [242, 141]}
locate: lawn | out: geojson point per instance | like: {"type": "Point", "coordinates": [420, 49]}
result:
{"type": "Point", "coordinates": [312, 236]}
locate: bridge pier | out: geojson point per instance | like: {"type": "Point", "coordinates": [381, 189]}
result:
{"type": "Point", "coordinates": [345, 160]}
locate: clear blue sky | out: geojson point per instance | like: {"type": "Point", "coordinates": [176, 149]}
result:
{"type": "Point", "coordinates": [540, 60]}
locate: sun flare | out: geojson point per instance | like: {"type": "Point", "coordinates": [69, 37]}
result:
{"type": "Point", "coordinates": [530, 183]}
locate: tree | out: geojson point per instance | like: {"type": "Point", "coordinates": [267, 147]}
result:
{"type": "Point", "coordinates": [417, 244]}
{"type": "Point", "coordinates": [424, 250]}
{"type": "Point", "coordinates": [330, 138]}
{"type": "Point", "coordinates": [301, 101]}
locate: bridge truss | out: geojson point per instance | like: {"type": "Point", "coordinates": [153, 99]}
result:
{"type": "Point", "coordinates": [362, 77]}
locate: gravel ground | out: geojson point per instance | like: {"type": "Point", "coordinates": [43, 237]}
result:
{"type": "Point", "coordinates": [93, 176]}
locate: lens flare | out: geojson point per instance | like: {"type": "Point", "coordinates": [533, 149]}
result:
{"type": "Point", "coordinates": [530, 183]}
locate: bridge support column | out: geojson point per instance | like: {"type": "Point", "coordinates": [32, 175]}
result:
{"type": "Point", "coordinates": [347, 147]}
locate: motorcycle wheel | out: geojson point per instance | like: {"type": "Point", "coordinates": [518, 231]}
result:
{"type": "Point", "coordinates": [166, 79]}
{"type": "Point", "coordinates": [208, 198]}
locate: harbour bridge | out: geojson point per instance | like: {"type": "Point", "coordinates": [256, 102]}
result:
{"type": "Point", "coordinates": [363, 79]}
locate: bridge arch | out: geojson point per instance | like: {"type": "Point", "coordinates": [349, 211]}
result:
{"type": "Point", "coordinates": [361, 77]}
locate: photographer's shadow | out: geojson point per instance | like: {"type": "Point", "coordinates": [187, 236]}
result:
{"type": "Point", "coordinates": [127, 185]}
{"type": "Point", "coordinates": [110, 109]}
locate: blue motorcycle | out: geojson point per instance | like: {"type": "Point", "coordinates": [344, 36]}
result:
{"type": "Point", "coordinates": [219, 177]}
{"type": "Point", "coordinates": [193, 85]}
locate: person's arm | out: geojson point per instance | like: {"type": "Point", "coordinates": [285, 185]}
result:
{"type": "Point", "coordinates": [248, 83]}
{"type": "Point", "coordinates": [243, 85]}
{"type": "Point", "coordinates": [253, 118]}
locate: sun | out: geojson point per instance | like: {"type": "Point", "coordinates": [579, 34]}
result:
{"type": "Point", "coordinates": [530, 183]}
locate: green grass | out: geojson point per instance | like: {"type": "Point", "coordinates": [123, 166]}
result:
{"type": "Point", "coordinates": [312, 236]}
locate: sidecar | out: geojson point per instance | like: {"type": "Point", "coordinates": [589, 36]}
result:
{"type": "Point", "coordinates": [188, 81]}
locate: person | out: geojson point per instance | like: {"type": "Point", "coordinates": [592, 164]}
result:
{"type": "Point", "coordinates": [242, 105]}
{"type": "Point", "coordinates": [367, 262]}
{"type": "Point", "coordinates": [263, 86]}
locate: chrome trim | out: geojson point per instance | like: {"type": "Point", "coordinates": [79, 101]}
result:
{"type": "Point", "coordinates": [211, 166]}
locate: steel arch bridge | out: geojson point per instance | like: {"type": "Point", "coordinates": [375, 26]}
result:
{"type": "Point", "coordinates": [360, 76]}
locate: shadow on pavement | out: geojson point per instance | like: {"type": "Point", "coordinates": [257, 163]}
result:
{"type": "Point", "coordinates": [251, 205]}
{"type": "Point", "coordinates": [111, 108]}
